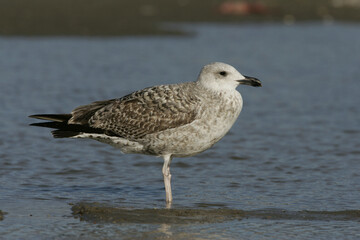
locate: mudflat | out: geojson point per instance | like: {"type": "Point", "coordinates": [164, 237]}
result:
{"type": "Point", "coordinates": [103, 213]}
{"type": "Point", "coordinates": [141, 17]}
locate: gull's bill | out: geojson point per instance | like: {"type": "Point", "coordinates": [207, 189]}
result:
{"type": "Point", "coordinates": [251, 81]}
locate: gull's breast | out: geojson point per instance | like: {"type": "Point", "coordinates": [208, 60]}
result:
{"type": "Point", "coordinates": [216, 117]}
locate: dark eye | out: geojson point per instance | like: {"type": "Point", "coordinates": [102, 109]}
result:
{"type": "Point", "coordinates": [223, 73]}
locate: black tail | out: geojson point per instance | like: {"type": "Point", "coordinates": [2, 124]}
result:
{"type": "Point", "coordinates": [59, 122]}
{"type": "Point", "coordinates": [63, 129]}
{"type": "Point", "coordinates": [52, 117]}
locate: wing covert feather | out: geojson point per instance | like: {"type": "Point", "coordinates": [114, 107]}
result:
{"type": "Point", "coordinates": [147, 111]}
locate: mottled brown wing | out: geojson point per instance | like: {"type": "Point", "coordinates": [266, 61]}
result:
{"type": "Point", "coordinates": [81, 115]}
{"type": "Point", "coordinates": [144, 112]}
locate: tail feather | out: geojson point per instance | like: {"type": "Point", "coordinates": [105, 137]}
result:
{"type": "Point", "coordinates": [56, 125]}
{"type": "Point", "coordinates": [65, 130]}
{"type": "Point", "coordinates": [52, 117]}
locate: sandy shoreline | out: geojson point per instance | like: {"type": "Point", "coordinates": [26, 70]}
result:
{"type": "Point", "coordinates": [141, 17]}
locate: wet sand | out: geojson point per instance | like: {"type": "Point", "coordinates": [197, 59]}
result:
{"type": "Point", "coordinates": [95, 212]}
{"type": "Point", "coordinates": [102, 213]}
{"type": "Point", "coordinates": [115, 18]}
{"type": "Point", "coordinates": [2, 215]}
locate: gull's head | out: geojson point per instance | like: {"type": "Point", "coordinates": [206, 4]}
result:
{"type": "Point", "coordinates": [221, 76]}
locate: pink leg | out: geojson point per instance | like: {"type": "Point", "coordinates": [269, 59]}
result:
{"type": "Point", "coordinates": [167, 177]}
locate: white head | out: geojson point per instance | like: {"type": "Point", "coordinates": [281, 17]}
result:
{"type": "Point", "coordinates": [221, 76]}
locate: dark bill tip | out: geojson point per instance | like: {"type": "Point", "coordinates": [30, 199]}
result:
{"type": "Point", "coordinates": [251, 81]}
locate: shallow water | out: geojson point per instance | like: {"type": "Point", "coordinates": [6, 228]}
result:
{"type": "Point", "coordinates": [295, 147]}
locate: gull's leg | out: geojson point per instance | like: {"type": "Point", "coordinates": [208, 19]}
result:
{"type": "Point", "coordinates": [167, 177]}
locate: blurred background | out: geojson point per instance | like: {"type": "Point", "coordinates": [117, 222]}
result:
{"type": "Point", "coordinates": [112, 17]}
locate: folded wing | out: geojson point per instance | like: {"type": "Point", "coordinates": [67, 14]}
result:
{"type": "Point", "coordinates": [132, 117]}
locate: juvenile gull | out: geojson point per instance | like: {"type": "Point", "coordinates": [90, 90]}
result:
{"type": "Point", "coordinates": [176, 120]}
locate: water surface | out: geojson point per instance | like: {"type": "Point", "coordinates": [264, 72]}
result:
{"type": "Point", "coordinates": [294, 148]}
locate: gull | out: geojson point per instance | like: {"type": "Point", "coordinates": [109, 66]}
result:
{"type": "Point", "coordinates": [176, 120]}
